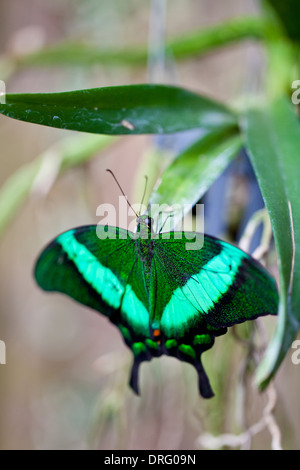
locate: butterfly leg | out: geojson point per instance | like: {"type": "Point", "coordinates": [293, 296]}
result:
{"type": "Point", "coordinates": [204, 385]}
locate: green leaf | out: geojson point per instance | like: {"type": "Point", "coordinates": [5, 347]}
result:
{"type": "Point", "coordinates": [132, 109]}
{"type": "Point", "coordinates": [190, 175]}
{"type": "Point", "coordinates": [273, 142]}
{"type": "Point", "coordinates": [188, 45]}
{"type": "Point", "coordinates": [207, 39]}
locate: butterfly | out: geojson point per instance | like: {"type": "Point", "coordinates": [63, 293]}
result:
{"type": "Point", "coordinates": [164, 298]}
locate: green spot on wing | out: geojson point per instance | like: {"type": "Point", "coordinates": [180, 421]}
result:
{"type": "Point", "coordinates": [151, 344]}
{"type": "Point", "coordinates": [187, 350]}
{"type": "Point", "coordinates": [171, 343]}
{"type": "Point", "coordinates": [125, 332]}
{"type": "Point", "coordinates": [202, 339]}
{"type": "Point", "coordinates": [138, 348]}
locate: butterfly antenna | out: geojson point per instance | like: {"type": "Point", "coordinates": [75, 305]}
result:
{"type": "Point", "coordinates": [119, 186]}
{"type": "Point", "coordinates": [145, 189]}
{"type": "Point", "coordinates": [166, 219]}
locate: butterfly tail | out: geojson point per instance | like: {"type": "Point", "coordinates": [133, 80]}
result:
{"type": "Point", "coordinates": [134, 376]}
{"type": "Point", "coordinates": [204, 385]}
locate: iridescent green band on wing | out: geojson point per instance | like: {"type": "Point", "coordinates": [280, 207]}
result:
{"type": "Point", "coordinates": [106, 284]}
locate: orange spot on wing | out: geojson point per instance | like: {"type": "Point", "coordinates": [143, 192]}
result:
{"type": "Point", "coordinates": [156, 334]}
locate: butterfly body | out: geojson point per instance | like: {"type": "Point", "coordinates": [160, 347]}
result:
{"type": "Point", "coordinates": [164, 298]}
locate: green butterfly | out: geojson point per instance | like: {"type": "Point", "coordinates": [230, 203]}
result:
{"type": "Point", "coordinates": [164, 298]}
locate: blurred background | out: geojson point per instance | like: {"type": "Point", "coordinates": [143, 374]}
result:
{"type": "Point", "coordinates": [65, 382]}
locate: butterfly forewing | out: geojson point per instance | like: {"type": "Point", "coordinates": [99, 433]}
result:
{"type": "Point", "coordinates": [218, 284]}
{"type": "Point", "coordinates": [91, 271]}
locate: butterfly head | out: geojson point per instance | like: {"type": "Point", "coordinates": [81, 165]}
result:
{"type": "Point", "coordinates": [145, 225]}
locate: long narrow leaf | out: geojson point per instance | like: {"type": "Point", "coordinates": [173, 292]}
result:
{"type": "Point", "coordinates": [190, 175]}
{"type": "Point", "coordinates": [188, 45]}
{"type": "Point", "coordinates": [273, 143]}
{"type": "Point", "coordinates": [132, 109]}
